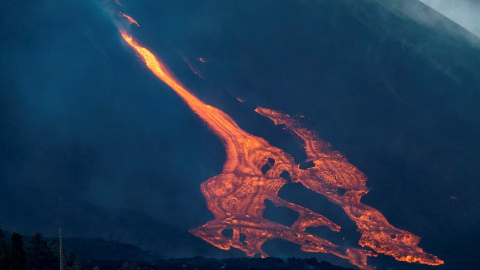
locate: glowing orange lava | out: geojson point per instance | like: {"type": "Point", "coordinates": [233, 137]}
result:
{"type": "Point", "coordinates": [236, 197]}
{"type": "Point", "coordinates": [130, 19]}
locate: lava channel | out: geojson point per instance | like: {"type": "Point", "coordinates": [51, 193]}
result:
{"type": "Point", "coordinates": [236, 197]}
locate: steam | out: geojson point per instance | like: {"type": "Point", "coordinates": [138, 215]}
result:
{"type": "Point", "coordinates": [463, 12]}
{"type": "Point", "coordinates": [110, 9]}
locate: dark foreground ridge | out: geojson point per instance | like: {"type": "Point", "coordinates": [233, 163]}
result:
{"type": "Point", "coordinates": [98, 254]}
{"type": "Point", "coordinates": [112, 255]}
{"type": "Point", "coordinates": [201, 263]}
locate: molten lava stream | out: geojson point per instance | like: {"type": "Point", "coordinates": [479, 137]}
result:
{"type": "Point", "coordinates": [130, 19]}
{"type": "Point", "coordinates": [237, 196]}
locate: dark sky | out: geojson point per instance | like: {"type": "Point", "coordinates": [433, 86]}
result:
{"type": "Point", "coordinates": [91, 141]}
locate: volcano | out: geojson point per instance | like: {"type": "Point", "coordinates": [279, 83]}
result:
{"type": "Point", "coordinates": [93, 142]}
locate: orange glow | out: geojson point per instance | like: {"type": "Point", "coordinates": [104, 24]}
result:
{"type": "Point", "coordinates": [203, 60]}
{"type": "Point", "coordinates": [130, 19]}
{"type": "Point", "coordinates": [241, 100]}
{"type": "Point", "coordinates": [236, 197]}
{"type": "Point", "coordinates": [332, 172]}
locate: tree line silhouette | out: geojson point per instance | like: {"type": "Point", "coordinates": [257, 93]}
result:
{"type": "Point", "coordinates": [37, 255]}
{"type": "Point", "coordinates": [40, 254]}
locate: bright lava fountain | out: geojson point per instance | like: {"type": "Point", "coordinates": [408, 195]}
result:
{"type": "Point", "coordinates": [237, 196]}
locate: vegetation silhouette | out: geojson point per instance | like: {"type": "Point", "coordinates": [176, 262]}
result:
{"type": "Point", "coordinates": [41, 254]}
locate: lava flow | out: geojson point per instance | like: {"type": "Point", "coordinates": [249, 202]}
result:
{"type": "Point", "coordinates": [130, 19]}
{"type": "Point", "coordinates": [237, 196]}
